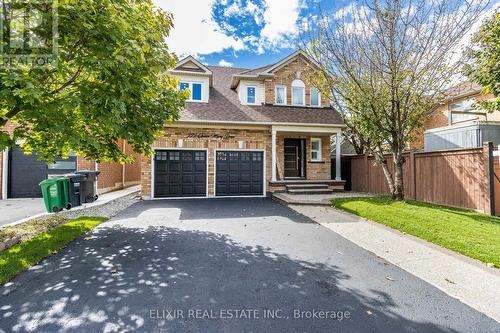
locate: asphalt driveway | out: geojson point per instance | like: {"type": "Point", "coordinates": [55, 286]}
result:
{"type": "Point", "coordinates": [187, 265]}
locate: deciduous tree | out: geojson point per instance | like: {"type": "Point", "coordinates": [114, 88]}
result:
{"type": "Point", "coordinates": [483, 65]}
{"type": "Point", "coordinates": [108, 82]}
{"type": "Point", "coordinates": [385, 64]}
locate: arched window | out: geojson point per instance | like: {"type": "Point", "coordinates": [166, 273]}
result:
{"type": "Point", "coordinates": [298, 92]}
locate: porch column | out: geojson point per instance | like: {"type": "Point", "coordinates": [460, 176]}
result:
{"type": "Point", "coordinates": [273, 155]}
{"type": "Point", "coordinates": [337, 157]}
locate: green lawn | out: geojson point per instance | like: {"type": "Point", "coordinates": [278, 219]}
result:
{"type": "Point", "coordinates": [26, 254]}
{"type": "Point", "coordinates": [473, 234]}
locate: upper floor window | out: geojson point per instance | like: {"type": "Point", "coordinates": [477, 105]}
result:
{"type": "Point", "coordinates": [315, 97]}
{"type": "Point", "coordinates": [194, 88]}
{"type": "Point", "coordinates": [298, 92]}
{"type": "Point", "coordinates": [459, 111]}
{"type": "Point", "coordinates": [251, 99]}
{"type": "Point", "coordinates": [315, 149]}
{"type": "Point", "coordinates": [280, 95]}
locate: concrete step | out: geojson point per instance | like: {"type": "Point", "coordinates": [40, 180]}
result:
{"type": "Point", "coordinates": [307, 186]}
{"type": "Point", "coordinates": [310, 191]}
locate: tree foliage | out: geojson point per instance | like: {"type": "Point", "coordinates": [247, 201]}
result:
{"type": "Point", "coordinates": [109, 81]}
{"type": "Point", "coordinates": [386, 64]}
{"type": "Point", "coordinates": [483, 66]}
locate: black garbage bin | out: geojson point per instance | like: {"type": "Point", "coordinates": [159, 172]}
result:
{"type": "Point", "coordinates": [74, 193]}
{"type": "Point", "coordinates": [88, 187]}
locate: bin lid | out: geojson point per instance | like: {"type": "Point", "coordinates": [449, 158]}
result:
{"type": "Point", "coordinates": [51, 181]}
{"type": "Point", "coordinates": [74, 177]}
{"type": "Point", "coordinates": [88, 172]}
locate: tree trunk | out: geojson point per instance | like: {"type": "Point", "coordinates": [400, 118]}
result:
{"type": "Point", "coordinates": [387, 173]}
{"type": "Point", "coordinates": [399, 160]}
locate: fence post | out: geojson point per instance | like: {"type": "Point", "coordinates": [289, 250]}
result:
{"type": "Point", "coordinates": [413, 176]}
{"type": "Point", "coordinates": [367, 178]}
{"type": "Point", "coordinates": [491, 178]}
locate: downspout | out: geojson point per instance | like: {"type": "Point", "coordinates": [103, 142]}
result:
{"type": "Point", "coordinates": [5, 172]}
{"type": "Point", "coordinates": [123, 166]}
{"type": "Point", "coordinates": [96, 168]}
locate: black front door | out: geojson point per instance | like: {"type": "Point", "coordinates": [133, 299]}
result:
{"type": "Point", "coordinates": [180, 173]}
{"type": "Point", "coordinates": [293, 159]}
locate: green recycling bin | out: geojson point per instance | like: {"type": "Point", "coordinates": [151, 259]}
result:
{"type": "Point", "coordinates": [55, 193]}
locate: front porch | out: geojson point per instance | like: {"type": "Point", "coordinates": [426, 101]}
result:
{"type": "Point", "coordinates": [301, 162]}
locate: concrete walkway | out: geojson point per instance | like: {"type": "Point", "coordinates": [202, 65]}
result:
{"type": "Point", "coordinates": [314, 199]}
{"type": "Point", "coordinates": [461, 277]}
{"type": "Point", "coordinates": [15, 211]}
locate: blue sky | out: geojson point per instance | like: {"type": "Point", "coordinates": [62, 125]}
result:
{"type": "Point", "coordinates": [243, 33]}
{"type": "Point", "coordinates": [239, 33]}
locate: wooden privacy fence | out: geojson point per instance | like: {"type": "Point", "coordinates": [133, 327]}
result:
{"type": "Point", "coordinates": [466, 178]}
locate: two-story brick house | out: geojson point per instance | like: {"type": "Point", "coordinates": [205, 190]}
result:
{"type": "Point", "coordinates": [244, 132]}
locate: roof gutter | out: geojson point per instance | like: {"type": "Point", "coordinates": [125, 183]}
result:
{"type": "Point", "coordinates": [238, 77]}
{"type": "Point", "coordinates": [257, 123]}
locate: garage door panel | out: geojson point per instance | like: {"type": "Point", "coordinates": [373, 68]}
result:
{"type": "Point", "coordinates": [200, 167]}
{"type": "Point", "coordinates": [245, 177]}
{"type": "Point", "coordinates": [200, 178]}
{"type": "Point", "coordinates": [172, 178]}
{"type": "Point", "coordinates": [200, 190]}
{"type": "Point", "coordinates": [187, 167]}
{"type": "Point", "coordinates": [185, 176]}
{"type": "Point", "coordinates": [239, 173]}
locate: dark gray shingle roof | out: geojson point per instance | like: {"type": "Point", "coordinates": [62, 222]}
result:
{"type": "Point", "coordinates": [224, 105]}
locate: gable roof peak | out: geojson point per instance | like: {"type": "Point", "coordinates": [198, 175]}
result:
{"type": "Point", "coordinates": [185, 64]}
{"type": "Point", "coordinates": [289, 58]}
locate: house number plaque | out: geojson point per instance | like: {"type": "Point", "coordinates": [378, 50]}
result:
{"type": "Point", "coordinates": [215, 136]}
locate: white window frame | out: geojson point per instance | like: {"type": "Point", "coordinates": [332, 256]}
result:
{"type": "Point", "coordinates": [303, 87]}
{"type": "Point", "coordinates": [470, 117]}
{"type": "Point", "coordinates": [310, 98]}
{"type": "Point", "coordinates": [276, 94]}
{"type": "Point", "coordinates": [319, 158]}
{"type": "Point", "coordinates": [190, 87]}
{"type": "Point", "coordinates": [246, 95]}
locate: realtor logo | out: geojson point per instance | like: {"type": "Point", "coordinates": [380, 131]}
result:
{"type": "Point", "coordinates": [28, 33]}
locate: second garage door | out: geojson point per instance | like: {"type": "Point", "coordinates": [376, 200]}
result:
{"type": "Point", "coordinates": [239, 173]}
{"type": "Point", "coordinates": [180, 173]}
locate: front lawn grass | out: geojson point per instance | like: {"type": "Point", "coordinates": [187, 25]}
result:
{"type": "Point", "coordinates": [28, 253]}
{"type": "Point", "coordinates": [472, 234]}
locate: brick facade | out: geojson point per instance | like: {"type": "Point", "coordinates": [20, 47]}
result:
{"type": "Point", "coordinates": [224, 138]}
{"type": "Point", "coordinates": [114, 176]}
{"type": "Point", "coordinates": [295, 69]}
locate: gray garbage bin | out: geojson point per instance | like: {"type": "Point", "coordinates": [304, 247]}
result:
{"type": "Point", "coordinates": [74, 193]}
{"type": "Point", "coordinates": [88, 188]}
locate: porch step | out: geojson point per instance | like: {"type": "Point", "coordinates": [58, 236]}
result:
{"type": "Point", "coordinates": [310, 191]}
{"type": "Point", "coordinates": [307, 186]}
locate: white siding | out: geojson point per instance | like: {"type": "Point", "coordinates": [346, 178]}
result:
{"type": "Point", "coordinates": [204, 80]}
{"type": "Point", "coordinates": [259, 91]}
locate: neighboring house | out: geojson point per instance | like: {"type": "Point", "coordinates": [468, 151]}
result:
{"type": "Point", "coordinates": [457, 123]}
{"type": "Point", "coordinates": [20, 174]}
{"type": "Point", "coordinates": [244, 132]}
